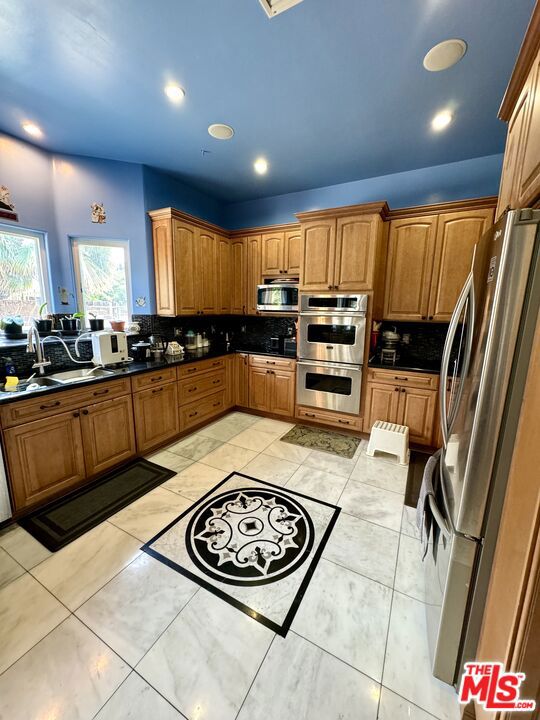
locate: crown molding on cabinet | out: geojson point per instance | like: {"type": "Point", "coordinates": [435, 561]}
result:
{"type": "Point", "coordinates": [263, 229]}
{"type": "Point", "coordinates": [445, 207]}
{"type": "Point", "coordinates": [374, 208]}
{"type": "Point", "coordinates": [169, 213]}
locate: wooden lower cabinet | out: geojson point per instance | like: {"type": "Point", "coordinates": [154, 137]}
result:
{"type": "Point", "coordinates": [242, 380]}
{"type": "Point", "coordinates": [272, 391]}
{"type": "Point", "coordinates": [230, 381]}
{"type": "Point", "coordinates": [259, 388]}
{"type": "Point", "coordinates": [329, 417]}
{"type": "Point", "coordinates": [45, 458]}
{"type": "Point", "coordinates": [205, 409]}
{"type": "Point", "coordinates": [108, 434]}
{"type": "Point", "coordinates": [156, 416]}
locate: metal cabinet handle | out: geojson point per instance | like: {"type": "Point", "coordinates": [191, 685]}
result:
{"type": "Point", "coordinates": [270, 362]}
{"type": "Point", "coordinates": [329, 287]}
{"type": "Point", "coordinates": [216, 382]}
{"type": "Point", "coordinates": [345, 422]}
{"type": "Point", "coordinates": [50, 405]}
{"type": "Point", "coordinates": [155, 379]}
{"type": "Point", "coordinates": [310, 414]}
{"type": "Point", "coordinates": [156, 390]}
{"type": "Point", "coordinates": [399, 377]}
{"type": "Point", "coordinates": [75, 414]}
{"type": "Point", "coordinates": [215, 364]}
{"type": "Point", "coordinates": [85, 412]}
{"type": "Point", "coordinates": [403, 390]}
{"type": "Point", "coordinates": [423, 317]}
{"type": "Point", "coordinates": [329, 347]}
{"type": "Point", "coordinates": [216, 404]}
{"type": "Point", "coordinates": [430, 317]}
{"type": "Point", "coordinates": [192, 389]}
{"type": "Point", "coordinates": [190, 370]}
{"type": "Point", "coordinates": [101, 392]}
{"type": "Point", "coordinates": [193, 414]}
{"type": "Point", "coordinates": [396, 389]}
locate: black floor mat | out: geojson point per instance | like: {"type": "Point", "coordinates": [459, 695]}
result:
{"type": "Point", "coordinates": [417, 463]}
{"type": "Point", "coordinates": [63, 521]}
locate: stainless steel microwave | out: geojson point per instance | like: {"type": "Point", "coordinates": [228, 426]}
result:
{"type": "Point", "coordinates": [277, 297]}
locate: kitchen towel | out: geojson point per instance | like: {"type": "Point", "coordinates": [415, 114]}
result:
{"type": "Point", "coordinates": [424, 519]}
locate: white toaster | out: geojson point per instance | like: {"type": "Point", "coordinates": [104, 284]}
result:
{"type": "Point", "coordinates": [109, 347]}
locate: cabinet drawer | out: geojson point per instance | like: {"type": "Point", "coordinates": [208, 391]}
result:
{"type": "Point", "coordinates": [351, 422]}
{"type": "Point", "coordinates": [197, 368]}
{"type": "Point", "coordinates": [191, 389]}
{"type": "Point", "coordinates": [408, 379]}
{"type": "Point", "coordinates": [202, 410]}
{"type": "Point", "coordinates": [54, 403]}
{"type": "Point", "coordinates": [271, 362]}
{"type": "Point", "coordinates": [152, 379]}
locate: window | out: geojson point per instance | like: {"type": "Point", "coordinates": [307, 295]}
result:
{"type": "Point", "coordinates": [23, 273]}
{"type": "Point", "coordinates": [103, 278]}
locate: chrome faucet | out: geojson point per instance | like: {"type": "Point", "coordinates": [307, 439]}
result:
{"type": "Point", "coordinates": [34, 345]}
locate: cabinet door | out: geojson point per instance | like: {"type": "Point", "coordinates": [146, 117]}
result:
{"type": "Point", "coordinates": [253, 256]}
{"type": "Point", "coordinates": [108, 434]}
{"type": "Point", "coordinates": [381, 404]}
{"type": "Point", "coordinates": [272, 249]}
{"type": "Point", "coordinates": [186, 268]}
{"type": "Point", "coordinates": [528, 187]}
{"type": "Point", "coordinates": [259, 384]}
{"type": "Point", "coordinates": [417, 412]}
{"type": "Point", "coordinates": [318, 247]}
{"type": "Point", "coordinates": [292, 252]}
{"type": "Point", "coordinates": [355, 253]}
{"type": "Point", "coordinates": [242, 380]}
{"type": "Point", "coordinates": [224, 276]}
{"type": "Point", "coordinates": [156, 416]}
{"type": "Point", "coordinates": [230, 381]}
{"type": "Point", "coordinates": [409, 269]}
{"type": "Point", "coordinates": [45, 458]}
{"type": "Point", "coordinates": [207, 271]}
{"type": "Point", "coordinates": [457, 234]}
{"type": "Point", "coordinates": [510, 180]}
{"type": "Point", "coordinates": [239, 272]}
{"type": "Point", "coordinates": [164, 267]}
{"type": "Point", "coordinates": [282, 392]}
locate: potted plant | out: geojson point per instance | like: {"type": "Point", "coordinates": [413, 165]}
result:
{"type": "Point", "coordinates": [12, 327]}
{"type": "Point", "coordinates": [96, 323]}
{"type": "Point", "coordinates": [43, 325]}
{"type": "Point", "coordinates": [71, 323]}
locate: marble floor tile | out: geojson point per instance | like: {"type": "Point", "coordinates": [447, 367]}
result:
{"type": "Point", "coordinates": [69, 675]}
{"type": "Point", "coordinates": [195, 481]}
{"type": "Point", "coordinates": [145, 517]}
{"type": "Point", "coordinates": [408, 648]}
{"type": "Point", "coordinates": [298, 681]}
{"type": "Point", "coordinates": [242, 419]}
{"type": "Point", "coordinates": [274, 427]}
{"type": "Point", "coordinates": [385, 475]}
{"type": "Point", "coordinates": [22, 547]}
{"type": "Point", "coordinates": [136, 700]}
{"type": "Point", "coordinates": [410, 569]}
{"type": "Point", "coordinates": [229, 458]}
{"type": "Point", "coordinates": [194, 446]}
{"type": "Point", "coordinates": [253, 439]}
{"type": "Point", "coordinates": [78, 570]}
{"type": "Point", "coordinates": [330, 463]}
{"type": "Point", "coordinates": [408, 522]}
{"type": "Point", "coordinates": [27, 613]}
{"type": "Point", "coordinates": [170, 460]}
{"type": "Point", "coordinates": [288, 451]}
{"type": "Point", "coordinates": [9, 568]}
{"type": "Point", "coordinates": [317, 484]}
{"type": "Point", "coordinates": [229, 426]}
{"type": "Point", "coordinates": [364, 547]}
{"type": "Point", "coordinates": [394, 707]}
{"type": "Point", "coordinates": [136, 606]}
{"type": "Point", "coordinates": [382, 507]}
{"type": "Point", "coordinates": [272, 469]}
{"type": "Point", "coordinates": [347, 615]}
{"type": "Point", "coordinates": [205, 662]}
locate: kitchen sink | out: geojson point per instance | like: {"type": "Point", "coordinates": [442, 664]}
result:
{"type": "Point", "coordinates": [78, 375]}
{"type": "Point", "coordinates": [41, 382]}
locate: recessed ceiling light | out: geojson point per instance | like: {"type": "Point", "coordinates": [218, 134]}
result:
{"type": "Point", "coordinates": [175, 93]}
{"type": "Point", "coordinates": [261, 166]}
{"type": "Point", "coordinates": [221, 131]}
{"type": "Point", "coordinates": [441, 120]}
{"type": "Point", "coordinates": [445, 54]}
{"type": "Point", "coordinates": [32, 129]}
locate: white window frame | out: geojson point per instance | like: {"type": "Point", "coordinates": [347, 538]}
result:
{"type": "Point", "coordinates": [41, 237]}
{"type": "Point", "coordinates": [81, 240]}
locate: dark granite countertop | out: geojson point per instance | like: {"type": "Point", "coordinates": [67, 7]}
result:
{"type": "Point", "coordinates": [433, 368]}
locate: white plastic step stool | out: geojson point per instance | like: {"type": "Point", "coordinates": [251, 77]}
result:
{"type": "Point", "coordinates": [390, 438]}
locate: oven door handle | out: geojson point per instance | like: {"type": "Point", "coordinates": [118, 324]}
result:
{"type": "Point", "coordinates": [330, 365]}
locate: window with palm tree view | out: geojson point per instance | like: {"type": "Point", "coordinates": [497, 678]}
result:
{"type": "Point", "coordinates": [103, 281]}
{"type": "Point", "coordinates": [23, 275]}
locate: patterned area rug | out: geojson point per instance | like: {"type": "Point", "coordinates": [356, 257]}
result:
{"type": "Point", "coordinates": [253, 544]}
{"type": "Point", "coordinates": [325, 440]}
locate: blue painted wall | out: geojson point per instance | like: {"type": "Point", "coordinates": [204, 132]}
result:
{"type": "Point", "coordinates": [456, 181]}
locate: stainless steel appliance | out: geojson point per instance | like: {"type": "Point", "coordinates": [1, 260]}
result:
{"type": "Point", "coordinates": [109, 347]}
{"type": "Point", "coordinates": [277, 297]}
{"type": "Point", "coordinates": [331, 343]}
{"type": "Point", "coordinates": [485, 362]}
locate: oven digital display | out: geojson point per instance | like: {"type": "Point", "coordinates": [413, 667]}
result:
{"type": "Point", "coordinates": [334, 384]}
{"type": "Point", "coordinates": [328, 334]}
{"type": "Point", "coordinates": [331, 303]}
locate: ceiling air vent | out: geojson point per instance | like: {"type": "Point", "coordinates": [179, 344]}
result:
{"type": "Point", "coordinates": [275, 7]}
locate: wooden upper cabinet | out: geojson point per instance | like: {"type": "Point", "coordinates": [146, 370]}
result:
{"type": "Point", "coordinates": [206, 268]}
{"type": "Point", "coordinates": [108, 434]}
{"type": "Point", "coordinates": [410, 262]}
{"type": "Point", "coordinates": [319, 244]}
{"type": "Point", "coordinates": [238, 268]}
{"type": "Point", "coordinates": [528, 180]}
{"type": "Point", "coordinates": [186, 267]}
{"type": "Point", "coordinates": [355, 253]}
{"type": "Point", "coordinates": [457, 234]}
{"type": "Point", "coordinates": [514, 143]}
{"type": "Point", "coordinates": [253, 259]}
{"type": "Point", "coordinates": [292, 256]}
{"type": "Point", "coordinates": [164, 267]}
{"type": "Point", "coordinates": [272, 249]}
{"type": "Point", "coordinates": [224, 275]}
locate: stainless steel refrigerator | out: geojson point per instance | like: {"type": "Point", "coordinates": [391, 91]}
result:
{"type": "Point", "coordinates": [484, 367]}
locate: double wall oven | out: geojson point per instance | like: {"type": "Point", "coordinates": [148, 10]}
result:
{"type": "Point", "coordinates": [331, 337]}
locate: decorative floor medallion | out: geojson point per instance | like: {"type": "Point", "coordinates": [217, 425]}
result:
{"type": "Point", "coordinates": [254, 544]}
